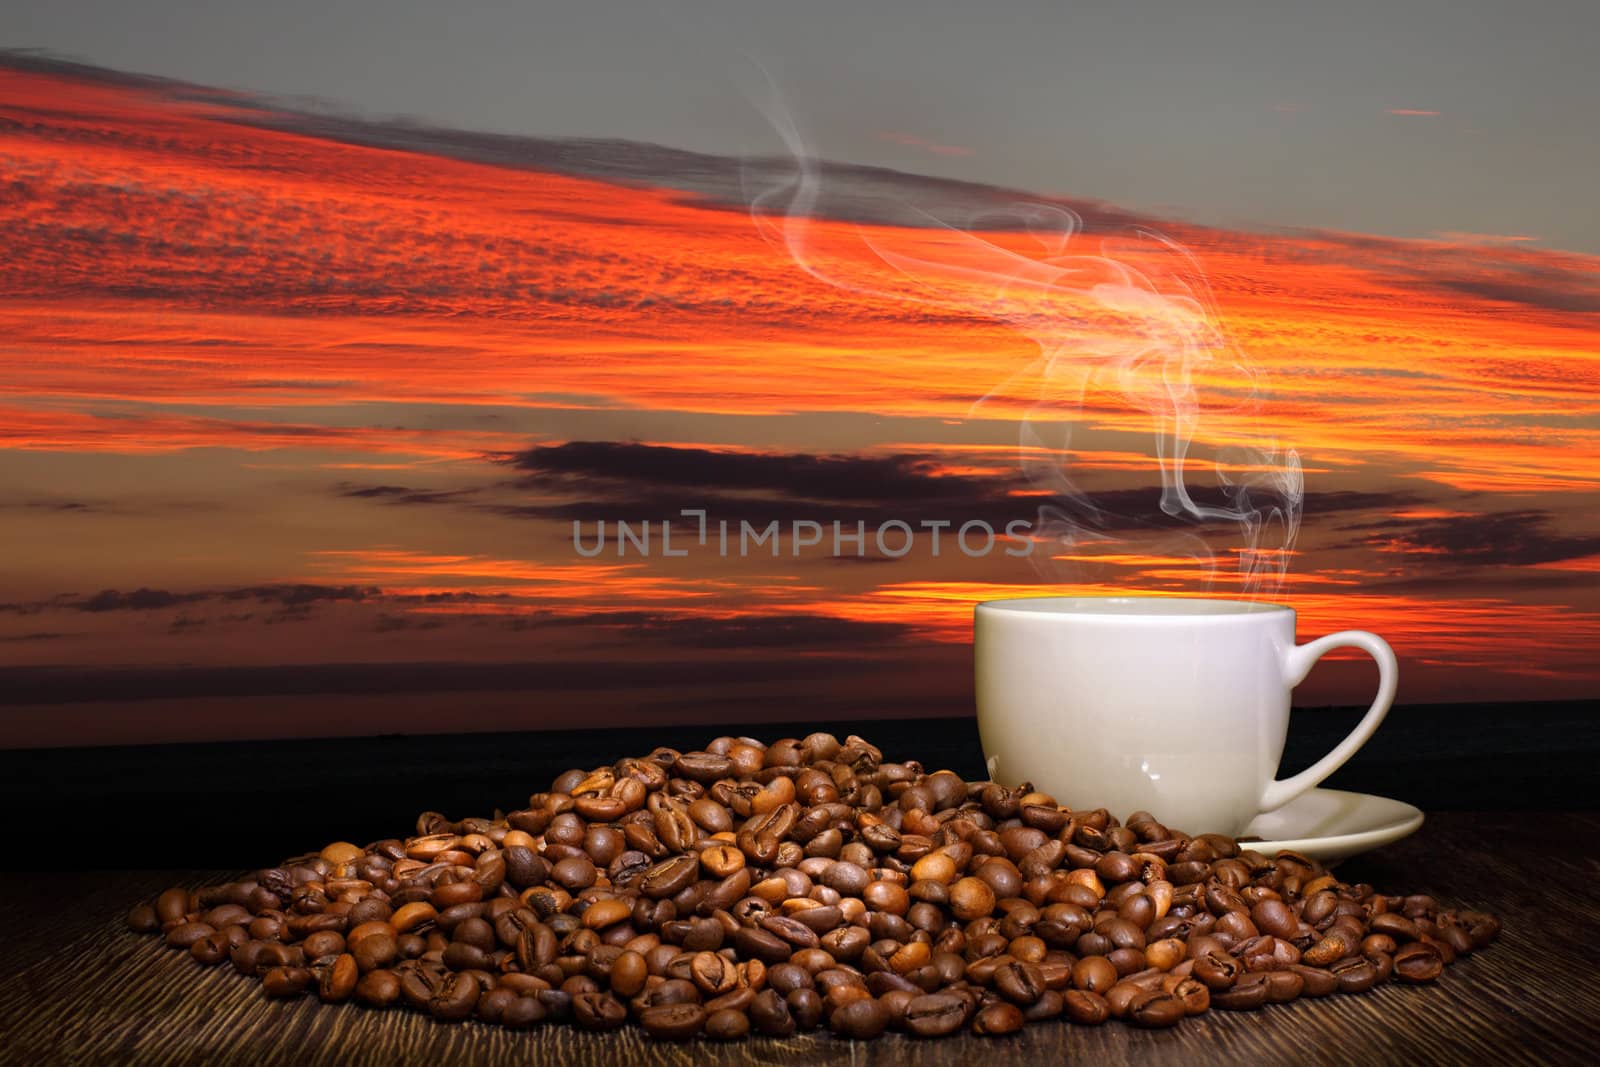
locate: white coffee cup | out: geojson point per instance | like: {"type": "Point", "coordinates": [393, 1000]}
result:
{"type": "Point", "coordinates": [1177, 706]}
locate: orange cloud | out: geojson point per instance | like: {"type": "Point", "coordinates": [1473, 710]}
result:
{"type": "Point", "coordinates": [195, 277]}
{"type": "Point", "coordinates": [1410, 111]}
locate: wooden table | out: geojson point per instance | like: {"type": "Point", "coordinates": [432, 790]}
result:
{"type": "Point", "coordinates": [77, 987]}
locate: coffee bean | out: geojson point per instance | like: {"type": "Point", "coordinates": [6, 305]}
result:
{"type": "Point", "coordinates": [1156, 1010]}
{"type": "Point", "coordinates": [1246, 994]}
{"type": "Point", "coordinates": [1318, 981]}
{"type": "Point", "coordinates": [935, 1015]}
{"type": "Point", "coordinates": [998, 1019]}
{"type": "Point", "coordinates": [726, 1024]}
{"type": "Point", "coordinates": [212, 949]}
{"type": "Point", "coordinates": [285, 981]}
{"type": "Point", "coordinates": [455, 998]}
{"type": "Point", "coordinates": [337, 981]}
{"type": "Point", "coordinates": [1417, 962]}
{"type": "Point", "coordinates": [712, 974]}
{"type": "Point", "coordinates": [720, 861]}
{"type": "Point", "coordinates": [1018, 982]}
{"type": "Point", "coordinates": [769, 1013]}
{"type": "Point", "coordinates": [1086, 1008]}
{"type": "Point", "coordinates": [1334, 946]}
{"type": "Point", "coordinates": [861, 1019]}
{"type": "Point", "coordinates": [523, 1012]}
{"type": "Point", "coordinates": [185, 934]}
{"type": "Point", "coordinates": [1283, 986]}
{"type": "Point", "coordinates": [764, 946]}
{"type": "Point", "coordinates": [971, 898]}
{"type": "Point", "coordinates": [1274, 917]}
{"type": "Point", "coordinates": [669, 877]}
{"type": "Point", "coordinates": [1355, 974]}
{"type": "Point", "coordinates": [378, 989]}
{"type": "Point", "coordinates": [774, 887]}
{"type": "Point", "coordinates": [574, 873]}
{"type": "Point", "coordinates": [603, 913]}
{"type": "Point", "coordinates": [171, 905]}
{"type": "Point", "coordinates": [598, 1011]}
{"type": "Point", "coordinates": [673, 1022]}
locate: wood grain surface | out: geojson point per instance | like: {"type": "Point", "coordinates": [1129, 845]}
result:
{"type": "Point", "coordinates": [77, 987]}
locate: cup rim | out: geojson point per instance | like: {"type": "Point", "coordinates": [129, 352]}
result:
{"type": "Point", "coordinates": [1141, 607]}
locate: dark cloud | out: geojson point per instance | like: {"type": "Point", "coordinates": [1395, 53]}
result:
{"type": "Point", "coordinates": [292, 597]}
{"type": "Point", "coordinates": [40, 635]}
{"type": "Point", "coordinates": [591, 481]}
{"type": "Point", "coordinates": [1560, 292]}
{"type": "Point", "coordinates": [399, 494]}
{"type": "Point", "coordinates": [793, 474]}
{"type": "Point", "coordinates": [139, 600]}
{"type": "Point", "coordinates": [1500, 538]}
{"type": "Point", "coordinates": [1458, 580]}
{"type": "Point", "coordinates": [55, 505]}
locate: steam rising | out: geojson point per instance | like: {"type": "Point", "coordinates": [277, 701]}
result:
{"type": "Point", "coordinates": [1122, 325]}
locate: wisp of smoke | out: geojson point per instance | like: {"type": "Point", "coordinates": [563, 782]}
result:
{"type": "Point", "coordinates": [1125, 324]}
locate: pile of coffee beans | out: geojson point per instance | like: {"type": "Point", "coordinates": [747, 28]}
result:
{"type": "Point", "coordinates": [806, 883]}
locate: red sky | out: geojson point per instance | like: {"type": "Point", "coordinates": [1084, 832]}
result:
{"type": "Point", "coordinates": [285, 389]}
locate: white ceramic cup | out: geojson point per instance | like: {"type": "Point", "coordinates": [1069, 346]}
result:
{"type": "Point", "coordinates": [1173, 705]}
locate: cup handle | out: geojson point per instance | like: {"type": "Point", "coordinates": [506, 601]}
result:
{"type": "Point", "coordinates": [1297, 664]}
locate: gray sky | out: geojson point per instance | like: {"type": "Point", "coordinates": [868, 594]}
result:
{"type": "Point", "coordinates": [1269, 114]}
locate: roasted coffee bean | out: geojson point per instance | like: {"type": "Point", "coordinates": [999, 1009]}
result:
{"type": "Point", "coordinates": [324, 943]}
{"type": "Point", "coordinates": [673, 1022]}
{"type": "Point", "coordinates": [1156, 1010]}
{"type": "Point", "coordinates": [998, 1019]}
{"type": "Point", "coordinates": [935, 1015]}
{"type": "Point", "coordinates": [805, 1007]}
{"type": "Point", "coordinates": [1194, 994]}
{"type": "Point", "coordinates": [727, 1024]}
{"type": "Point", "coordinates": [455, 998]}
{"type": "Point", "coordinates": [669, 877]}
{"type": "Point", "coordinates": [378, 989]}
{"type": "Point", "coordinates": [712, 974]}
{"type": "Point", "coordinates": [211, 949]}
{"type": "Point", "coordinates": [523, 1012]}
{"type": "Point", "coordinates": [1274, 917]}
{"type": "Point", "coordinates": [598, 1011]}
{"type": "Point", "coordinates": [971, 898]}
{"type": "Point", "coordinates": [1334, 946]}
{"type": "Point", "coordinates": [861, 1019]}
{"type": "Point", "coordinates": [1283, 986]}
{"type": "Point", "coordinates": [1417, 962]}
{"type": "Point", "coordinates": [185, 934]}
{"type": "Point", "coordinates": [1318, 981]}
{"type": "Point", "coordinates": [1217, 970]}
{"type": "Point", "coordinates": [1085, 1008]}
{"type": "Point", "coordinates": [171, 906]}
{"type": "Point", "coordinates": [285, 981]}
{"type": "Point", "coordinates": [1355, 974]}
{"type": "Point", "coordinates": [769, 1013]}
{"type": "Point", "coordinates": [1246, 994]}
{"type": "Point", "coordinates": [337, 981]}
{"type": "Point", "coordinates": [776, 887]}
{"type": "Point", "coordinates": [1018, 982]}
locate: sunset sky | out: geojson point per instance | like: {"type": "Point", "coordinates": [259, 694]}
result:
{"type": "Point", "coordinates": [300, 409]}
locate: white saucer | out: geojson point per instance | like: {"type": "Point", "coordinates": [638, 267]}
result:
{"type": "Point", "coordinates": [1330, 824]}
